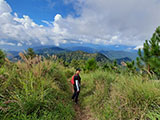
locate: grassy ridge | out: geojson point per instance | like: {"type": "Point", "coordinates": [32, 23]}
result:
{"type": "Point", "coordinates": [34, 90]}
{"type": "Point", "coordinates": [37, 89]}
{"type": "Point", "coordinates": [115, 96]}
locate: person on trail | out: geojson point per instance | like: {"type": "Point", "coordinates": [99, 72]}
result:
{"type": "Point", "coordinates": [76, 85]}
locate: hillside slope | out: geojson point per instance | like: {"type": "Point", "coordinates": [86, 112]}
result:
{"type": "Point", "coordinates": [80, 55]}
{"type": "Point", "coordinates": [120, 54]}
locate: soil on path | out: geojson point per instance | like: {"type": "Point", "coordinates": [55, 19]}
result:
{"type": "Point", "coordinates": [83, 114]}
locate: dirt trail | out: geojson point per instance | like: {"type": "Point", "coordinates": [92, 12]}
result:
{"type": "Point", "coordinates": [83, 114]}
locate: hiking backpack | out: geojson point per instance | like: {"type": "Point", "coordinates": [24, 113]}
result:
{"type": "Point", "coordinates": [72, 80]}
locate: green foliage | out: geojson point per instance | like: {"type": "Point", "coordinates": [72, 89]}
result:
{"type": "Point", "coordinates": [131, 66]}
{"type": "Point", "coordinates": [91, 65]}
{"type": "Point", "coordinates": [69, 72]}
{"type": "Point", "coordinates": [107, 66]}
{"type": "Point", "coordinates": [2, 58]}
{"type": "Point", "coordinates": [154, 114]}
{"type": "Point", "coordinates": [115, 63]}
{"type": "Point", "coordinates": [30, 53]}
{"type": "Point", "coordinates": [151, 54]}
{"type": "Point", "coordinates": [138, 62]}
{"type": "Point", "coordinates": [82, 56]}
{"type": "Point", "coordinates": [75, 63]}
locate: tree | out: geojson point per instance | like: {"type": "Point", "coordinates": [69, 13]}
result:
{"type": "Point", "coordinates": [2, 58]}
{"type": "Point", "coordinates": [74, 63]}
{"type": "Point", "coordinates": [150, 55]}
{"type": "Point", "coordinates": [91, 64]}
{"type": "Point", "coordinates": [131, 66]}
{"type": "Point", "coordinates": [77, 63]}
{"type": "Point", "coordinates": [30, 53]}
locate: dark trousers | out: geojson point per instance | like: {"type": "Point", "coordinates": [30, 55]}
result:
{"type": "Point", "coordinates": [75, 94]}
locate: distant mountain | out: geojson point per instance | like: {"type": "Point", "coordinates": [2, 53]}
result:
{"type": "Point", "coordinates": [126, 59]}
{"type": "Point", "coordinates": [11, 54]}
{"type": "Point", "coordinates": [43, 47]}
{"type": "Point", "coordinates": [120, 54]}
{"type": "Point", "coordinates": [82, 48]}
{"type": "Point", "coordinates": [50, 50]}
{"type": "Point", "coordinates": [80, 55]}
{"type": "Point", "coordinates": [78, 51]}
{"type": "Point", "coordinates": [100, 47]}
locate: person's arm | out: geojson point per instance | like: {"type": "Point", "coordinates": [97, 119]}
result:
{"type": "Point", "coordinates": [77, 85]}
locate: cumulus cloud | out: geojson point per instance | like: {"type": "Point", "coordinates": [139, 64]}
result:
{"type": "Point", "coordinates": [138, 47]}
{"type": "Point", "coordinates": [127, 22]}
{"type": "Point", "coordinates": [25, 31]}
{"type": "Point", "coordinates": [6, 43]}
{"type": "Point", "coordinates": [122, 22]}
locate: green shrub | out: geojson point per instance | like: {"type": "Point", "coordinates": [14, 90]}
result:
{"type": "Point", "coordinates": [91, 65]}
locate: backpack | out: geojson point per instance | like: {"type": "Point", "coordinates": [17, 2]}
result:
{"type": "Point", "coordinates": [72, 80]}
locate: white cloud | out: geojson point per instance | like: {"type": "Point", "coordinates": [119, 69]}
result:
{"type": "Point", "coordinates": [127, 22]}
{"type": "Point", "coordinates": [114, 37]}
{"type": "Point", "coordinates": [132, 21]}
{"type": "Point", "coordinates": [19, 44]}
{"type": "Point", "coordinates": [25, 30]}
{"type": "Point", "coordinates": [4, 7]}
{"type": "Point", "coordinates": [6, 43]}
{"type": "Point", "coordinates": [138, 47]}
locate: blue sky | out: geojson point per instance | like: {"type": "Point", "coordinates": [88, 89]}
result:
{"type": "Point", "coordinates": [55, 22]}
{"type": "Point", "coordinates": [40, 10]}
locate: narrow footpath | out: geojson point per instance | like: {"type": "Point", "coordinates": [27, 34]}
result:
{"type": "Point", "coordinates": [83, 114]}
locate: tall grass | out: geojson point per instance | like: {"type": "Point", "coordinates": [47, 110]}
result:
{"type": "Point", "coordinates": [115, 96]}
{"type": "Point", "coordinates": [35, 89]}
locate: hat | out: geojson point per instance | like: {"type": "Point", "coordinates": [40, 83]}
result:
{"type": "Point", "coordinates": [78, 69]}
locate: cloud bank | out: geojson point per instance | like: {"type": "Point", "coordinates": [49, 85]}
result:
{"type": "Point", "coordinates": [122, 22]}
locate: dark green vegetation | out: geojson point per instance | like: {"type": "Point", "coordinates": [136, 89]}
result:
{"type": "Point", "coordinates": [151, 55]}
{"type": "Point", "coordinates": [38, 88]}
{"type": "Point", "coordinates": [126, 59]}
{"type": "Point", "coordinates": [79, 55]}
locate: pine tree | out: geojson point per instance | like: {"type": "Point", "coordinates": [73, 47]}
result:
{"type": "Point", "coordinates": [30, 53]}
{"type": "Point", "coordinates": [131, 66]}
{"type": "Point", "coordinates": [151, 54]}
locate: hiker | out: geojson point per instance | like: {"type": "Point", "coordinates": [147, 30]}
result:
{"type": "Point", "coordinates": [76, 85]}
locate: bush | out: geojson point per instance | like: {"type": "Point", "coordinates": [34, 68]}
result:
{"type": "Point", "coordinates": [91, 65]}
